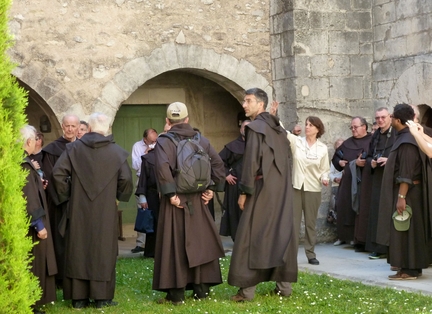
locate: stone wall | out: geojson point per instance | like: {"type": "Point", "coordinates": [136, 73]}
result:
{"type": "Point", "coordinates": [402, 67]}
{"type": "Point", "coordinates": [71, 52]}
{"type": "Point", "coordinates": [322, 65]}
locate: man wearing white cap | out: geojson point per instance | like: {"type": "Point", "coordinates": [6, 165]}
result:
{"type": "Point", "coordinates": [188, 246]}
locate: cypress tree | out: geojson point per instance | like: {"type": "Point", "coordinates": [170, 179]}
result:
{"type": "Point", "coordinates": [19, 289]}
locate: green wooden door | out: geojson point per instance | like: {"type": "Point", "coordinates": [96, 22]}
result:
{"type": "Point", "coordinates": [128, 128]}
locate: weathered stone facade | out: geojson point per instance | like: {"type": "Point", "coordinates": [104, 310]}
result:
{"type": "Point", "coordinates": [330, 58]}
{"type": "Point", "coordinates": [86, 56]}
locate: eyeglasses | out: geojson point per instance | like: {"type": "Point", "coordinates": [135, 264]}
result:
{"type": "Point", "coordinates": [381, 117]}
{"type": "Point", "coordinates": [354, 127]}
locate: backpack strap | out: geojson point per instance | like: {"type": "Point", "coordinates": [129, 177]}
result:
{"type": "Point", "coordinates": [173, 137]}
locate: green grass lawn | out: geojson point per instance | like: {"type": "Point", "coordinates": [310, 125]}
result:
{"type": "Point", "coordinates": [311, 294]}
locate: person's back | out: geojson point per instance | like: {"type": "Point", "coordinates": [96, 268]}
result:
{"type": "Point", "coordinates": [189, 239]}
{"type": "Point", "coordinates": [99, 174]}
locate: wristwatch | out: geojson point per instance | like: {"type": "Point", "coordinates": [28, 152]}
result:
{"type": "Point", "coordinates": [401, 196]}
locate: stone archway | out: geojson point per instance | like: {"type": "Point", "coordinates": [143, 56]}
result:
{"type": "Point", "coordinates": [413, 86]}
{"type": "Point", "coordinates": [232, 74]}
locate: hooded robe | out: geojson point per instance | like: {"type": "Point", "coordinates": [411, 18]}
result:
{"type": "Point", "coordinates": [91, 174]}
{"type": "Point", "coordinates": [265, 246]}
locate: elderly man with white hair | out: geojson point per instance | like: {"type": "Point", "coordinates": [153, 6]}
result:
{"type": "Point", "coordinates": [91, 174]}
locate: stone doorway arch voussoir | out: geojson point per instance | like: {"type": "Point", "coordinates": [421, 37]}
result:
{"type": "Point", "coordinates": [232, 74]}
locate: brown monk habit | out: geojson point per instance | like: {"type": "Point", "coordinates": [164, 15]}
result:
{"type": "Point", "coordinates": [43, 265]}
{"type": "Point", "coordinates": [232, 156]}
{"type": "Point", "coordinates": [265, 248]}
{"type": "Point", "coordinates": [351, 149]}
{"type": "Point", "coordinates": [51, 153]}
{"type": "Point", "coordinates": [91, 174]}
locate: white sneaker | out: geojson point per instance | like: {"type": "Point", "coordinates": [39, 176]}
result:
{"type": "Point", "coordinates": [338, 242]}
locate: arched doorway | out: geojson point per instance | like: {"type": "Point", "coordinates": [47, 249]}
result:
{"type": "Point", "coordinates": [41, 116]}
{"type": "Point", "coordinates": [212, 109]}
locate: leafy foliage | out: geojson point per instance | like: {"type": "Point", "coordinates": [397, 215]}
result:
{"type": "Point", "coordinates": [19, 288]}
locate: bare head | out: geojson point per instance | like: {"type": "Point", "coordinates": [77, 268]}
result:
{"type": "Point", "coordinates": [70, 125]}
{"type": "Point", "coordinates": [83, 129]}
{"type": "Point", "coordinates": [99, 123]}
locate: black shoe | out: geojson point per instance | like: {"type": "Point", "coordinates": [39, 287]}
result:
{"type": "Point", "coordinates": [80, 304]}
{"type": "Point", "coordinates": [359, 248]}
{"type": "Point", "coordinates": [104, 303]}
{"type": "Point", "coordinates": [313, 261]}
{"type": "Point", "coordinates": [137, 249]}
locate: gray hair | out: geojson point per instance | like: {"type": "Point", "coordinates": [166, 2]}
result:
{"type": "Point", "coordinates": [28, 132]}
{"type": "Point", "coordinates": [99, 123]}
{"type": "Point", "coordinates": [71, 116]}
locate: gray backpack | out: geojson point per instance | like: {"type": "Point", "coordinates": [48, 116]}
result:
{"type": "Point", "coordinates": [193, 170]}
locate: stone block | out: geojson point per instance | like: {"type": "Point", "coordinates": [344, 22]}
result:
{"type": "Point", "coordinates": [138, 70]}
{"type": "Point", "coordinates": [421, 23]}
{"type": "Point", "coordinates": [246, 76]}
{"type": "Point", "coordinates": [418, 43]}
{"type": "Point", "coordinates": [383, 14]}
{"type": "Point", "coordinates": [379, 51]}
{"type": "Point", "coordinates": [100, 106]}
{"type": "Point", "coordinates": [330, 65]}
{"type": "Point", "coordinates": [285, 90]}
{"type": "Point", "coordinates": [367, 88]}
{"type": "Point", "coordinates": [344, 42]}
{"type": "Point", "coordinates": [358, 20]}
{"type": "Point", "coordinates": [401, 65]}
{"type": "Point", "coordinates": [319, 88]}
{"type": "Point", "coordinates": [170, 53]}
{"type": "Point", "coordinates": [48, 87]}
{"type": "Point", "coordinates": [361, 65]}
{"type": "Point", "coordinates": [156, 61]}
{"type": "Point", "coordinates": [194, 56]}
{"type": "Point", "coordinates": [384, 88]}
{"type": "Point", "coordinates": [283, 68]}
{"type": "Point", "coordinates": [275, 47]}
{"type": "Point", "coordinates": [361, 4]}
{"type": "Point", "coordinates": [346, 87]}
{"type": "Point", "coordinates": [380, 2]}
{"type": "Point", "coordinates": [366, 36]}
{"type": "Point", "coordinates": [61, 103]}
{"type": "Point", "coordinates": [406, 9]}
{"type": "Point", "coordinates": [383, 32]}
{"type": "Point", "coordinates": [210, 60]}
{"type": "Point", "coordinates": [378, 103]}
{"type": "Point", "coordinates": [282, 22]}
{"type": "Point", "coordinates": [366, 48]}
{"type": "Point", "coordinates": [33, 74]}
{"type": "Point", "coordinates": [302, 66]}
{"type": "Point", "coordinates": [301, 19]}
{"type": "Point", "coordinates": [316, 20]}
{"type": "Point", "coordinates": [228, 66]}
{"type": "Point", "coordinates": [287, 44]}
{"type": "Point", "coordinates": [334, 20]}
{"type": "Point", "coordinates": [402, 28]}
{"type": "Point", "coordinates": [280, 6]}
{"type": "Point", "coordinates": [329, 5]}
{"type": "Point", "coordinates": [311, 42]}
{"type": "Point", "coordinates": [383, 71]}
{"type": "Point", "coordinates": [125, 82]}
{"type": "Point", "coordinates": [112, 95]}
{"type": "Point", "coordinates": [396, 48]}
{"type": "Point", "coordinates": [182, 55]}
